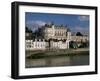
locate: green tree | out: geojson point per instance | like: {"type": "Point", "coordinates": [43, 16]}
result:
{"type": "Point", "coordinates": [79, 34]}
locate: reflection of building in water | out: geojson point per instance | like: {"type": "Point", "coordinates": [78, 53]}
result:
{"type": "Point", "coordinates": [53, 37]}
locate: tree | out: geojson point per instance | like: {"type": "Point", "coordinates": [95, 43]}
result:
{"type": "Point", "coordinates": [38, 33]}
{"type": "Point", "coordinates": [79, 34]}
{"type": "Point", "coordinates": [28, 33]}
{"type": "Point", "coordinates": [27, 30]}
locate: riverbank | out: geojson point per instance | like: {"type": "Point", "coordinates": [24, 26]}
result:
{"type": "Point", "coordinates": [56, 61]}
{"type": "Point", "coordinates": [56, 53]}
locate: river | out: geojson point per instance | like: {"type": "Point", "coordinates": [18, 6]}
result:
{"type": "Point", "coordinates": [73, 60]}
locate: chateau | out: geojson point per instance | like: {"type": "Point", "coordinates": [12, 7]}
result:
{"type": "Point", "coordinates": [53, 37]}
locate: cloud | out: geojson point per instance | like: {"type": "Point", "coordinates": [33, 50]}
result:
{"type": "Point", "coordinates": [83, 18]}
{"type": "Point", "coordinates": [40, 23]}
{"type": "Point", "coordinates": [34, 25]}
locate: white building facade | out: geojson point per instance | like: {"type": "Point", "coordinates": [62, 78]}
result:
{"type": "Point", "coordinates": [35, 44]}
{"type": "Point", "coordinates": [43, 45]}
{"type": "Point", "coordinates": [56, 32]}
{"type": "Point", "coordinates": [60, 45]}
{"type": "Point", "coordinates": [51, 33]}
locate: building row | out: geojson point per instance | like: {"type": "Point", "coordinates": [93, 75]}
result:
{"type": "Point", "coordinates": [43, 44]}
{"type": "Point", "coordinates": [53, 37]}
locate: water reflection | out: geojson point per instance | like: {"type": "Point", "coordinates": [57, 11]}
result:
{"type": "Point", "coordinates": [58, 61]}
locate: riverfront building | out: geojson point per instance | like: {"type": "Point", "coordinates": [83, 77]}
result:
{"type": "Point", "coordinates": [53, 37]}
{"type": "Point", "coordinates": [56, 32]}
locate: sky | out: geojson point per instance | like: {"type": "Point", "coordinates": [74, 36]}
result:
{"type": "Point", "coordinates": [76, 23]}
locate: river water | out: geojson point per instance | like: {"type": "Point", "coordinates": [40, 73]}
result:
{"type": "Point", "coordinates": [73, 60]}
